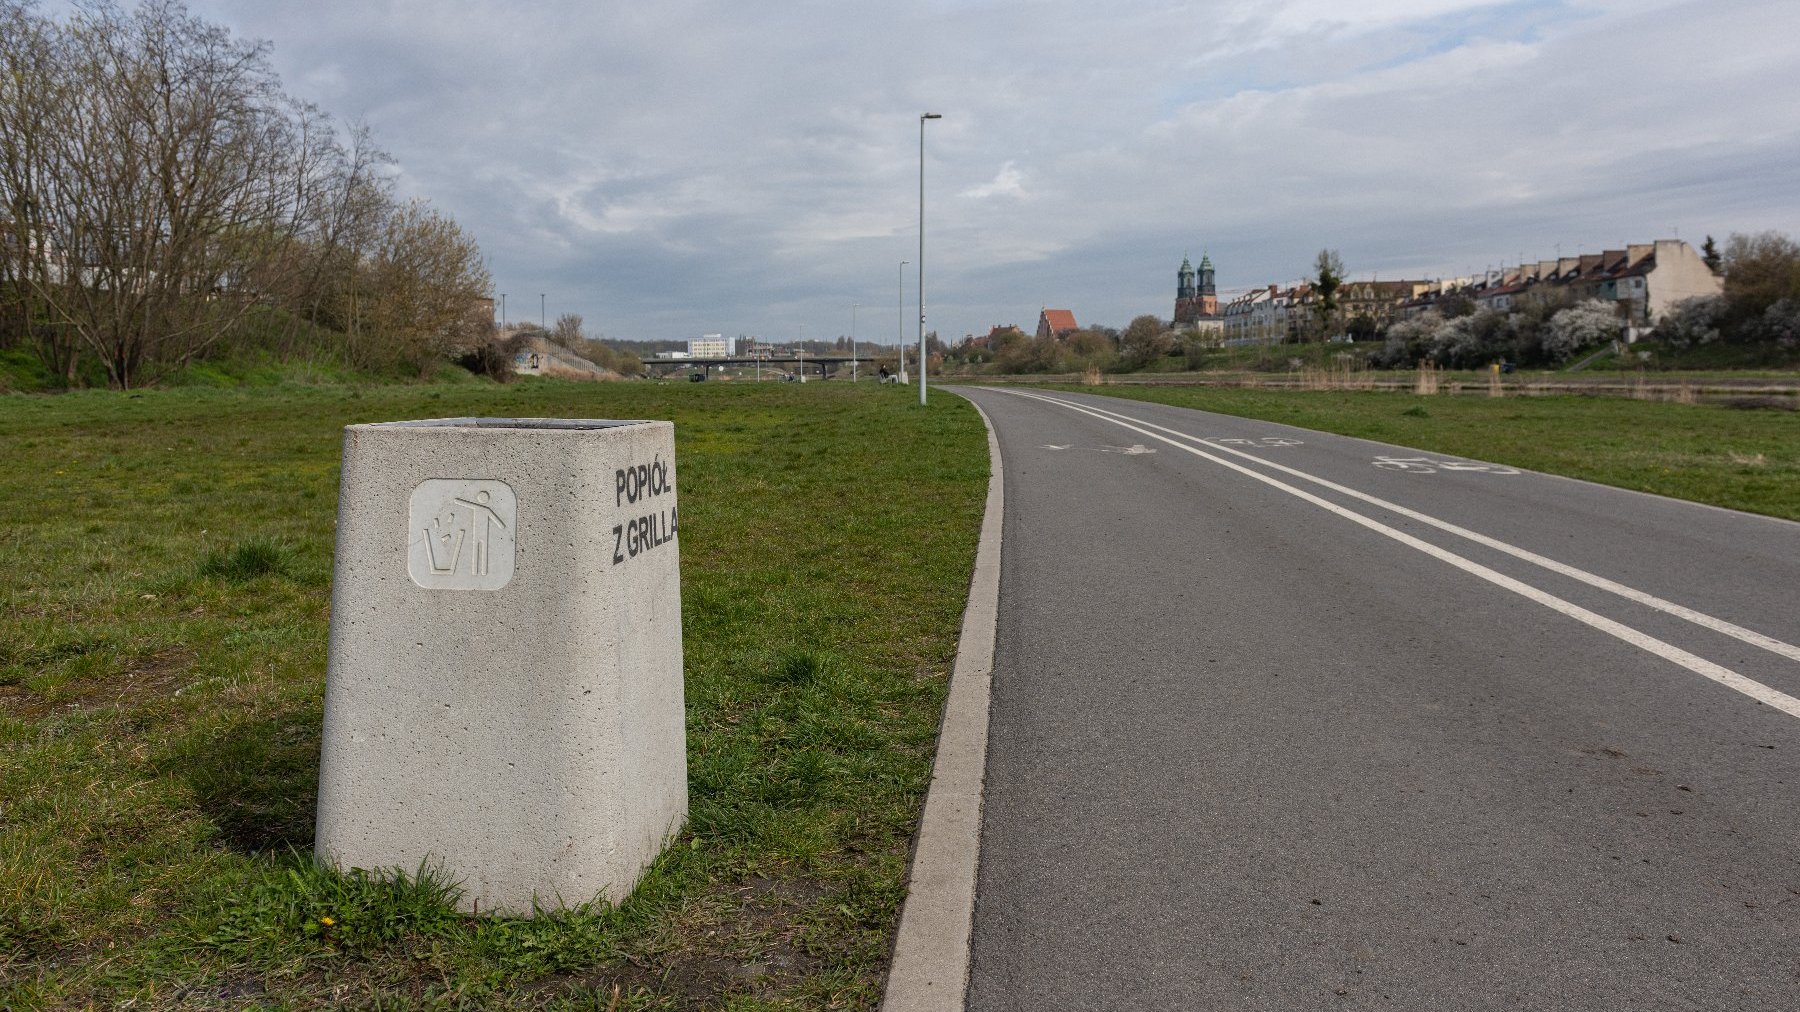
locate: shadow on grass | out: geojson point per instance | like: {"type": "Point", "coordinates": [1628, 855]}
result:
{"type": "Point", "coordinates": [256, 778]}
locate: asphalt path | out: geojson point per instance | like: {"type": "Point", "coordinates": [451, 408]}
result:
{"type": "Point", "coordinates": [1289, 720]}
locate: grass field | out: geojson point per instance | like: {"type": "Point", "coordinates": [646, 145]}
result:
{"type": "Point", "coordinates": [162, 637]}
{"type": "Point", "coordinates": [1745, 458]}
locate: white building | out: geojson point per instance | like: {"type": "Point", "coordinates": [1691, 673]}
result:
{"type": "Point", "coordinates": [709, 346]}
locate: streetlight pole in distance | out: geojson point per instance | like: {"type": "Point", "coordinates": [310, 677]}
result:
{"type": "Point", "coordinates": [899, 322]}
{"type": "Point", "coordinates": [854, 306]}
{"type": "Point", "coordinates": [502, 311]}
{"type": "Point", "coordinates": [922, 118]}
{"type": "Point", "coordinates": [543, 320]}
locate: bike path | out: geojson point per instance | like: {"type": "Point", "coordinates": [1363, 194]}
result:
{"type": "Point", "coordinates": [1245, 752]}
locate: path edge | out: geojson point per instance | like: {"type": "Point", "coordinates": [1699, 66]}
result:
{"type": "Point", "coordinates": [930, 968]}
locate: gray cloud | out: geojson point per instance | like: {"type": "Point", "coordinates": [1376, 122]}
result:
{"type": "Point", "coordinates": [678, 168]}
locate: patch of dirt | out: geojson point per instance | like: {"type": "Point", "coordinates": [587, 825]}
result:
{"type": "Point", "coordinates": [17, 702]}
{"type": "Point", "coordinates": [748, 943]}
{"type": "Point", "coordinates": [142, 679]}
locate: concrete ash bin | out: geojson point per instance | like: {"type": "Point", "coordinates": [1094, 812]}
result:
{"type": "Point", "coordinates": [503, 695]}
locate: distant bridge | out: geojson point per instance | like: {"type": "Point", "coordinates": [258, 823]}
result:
{"type": "Point", "coordinates": [802, 363]}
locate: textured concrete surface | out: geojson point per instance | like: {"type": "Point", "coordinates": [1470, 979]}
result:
{"type": "Point", "coordinates": [1248, 753]}
{"type": "Point", "coordinates": [931, 951]}
{"type": "Point", "coordinates": [526, 735]}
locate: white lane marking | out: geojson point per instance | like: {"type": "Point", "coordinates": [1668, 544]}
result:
{"type": "Point", "coordinates": [1264, 441]}
{"type": "Point", "coordinates": [1053, 446]}
{"type": "Point", "coordinates": [1643, 641]}
{"type": "Point", "coordinates": [1133, 450]}
{"type": "Point", "coordinates": [1718, 625]}
{"type": "Point", "coordinates": [1432, 465]}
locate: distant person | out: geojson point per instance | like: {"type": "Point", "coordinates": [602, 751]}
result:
{"type": "Point", "coordinates": [884, 374]}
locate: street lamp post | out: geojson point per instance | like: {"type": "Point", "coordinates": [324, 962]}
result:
{"type": "Point", "coordinates": [922, 118]}
{"type": "Point", "coordinates": [543, 320]}
{"type": "Point", "coordinates": [502, 312]}
{"type": "Point", "coordinates": [854, 306]}
{"type": "Point", "coordinates": [900, 320]}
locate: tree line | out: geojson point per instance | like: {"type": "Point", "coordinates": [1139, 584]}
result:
{"type": "Point", "coordinates": [158, 189]}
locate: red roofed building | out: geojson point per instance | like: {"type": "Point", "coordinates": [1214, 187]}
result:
{"type": "Point", "coordinates": [1056, 323]}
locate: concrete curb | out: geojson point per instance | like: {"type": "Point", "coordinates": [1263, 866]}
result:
{"type": "Point", "coordinates": [930, 971]}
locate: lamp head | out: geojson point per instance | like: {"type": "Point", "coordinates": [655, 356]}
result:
{"type": "Point", "coordinates": [931, 115]}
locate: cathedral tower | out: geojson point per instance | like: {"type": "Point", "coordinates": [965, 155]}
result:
{"type": "Point", "coordinates": [1196, 296]}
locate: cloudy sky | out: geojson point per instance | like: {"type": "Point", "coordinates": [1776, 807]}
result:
{"type": "Point", "coordinates": [673, 168]}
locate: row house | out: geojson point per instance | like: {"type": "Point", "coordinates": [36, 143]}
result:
{"type": "Point", "coordinates": [1274, 314]}
{"type": "Point", "coordinates": [1265, 315]}
{"type": "Point", "coordinates": [1379, 301]}
{"type": "Point", "coordinates": [1236, 313]}
{"type": "Point", "coordinates": [1644, 280]}
{"type": "Point", "coordinates": [1433, 292]}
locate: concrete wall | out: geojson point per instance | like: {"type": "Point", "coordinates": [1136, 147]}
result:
{"type": "Point", "coordinates": [1679, 274]}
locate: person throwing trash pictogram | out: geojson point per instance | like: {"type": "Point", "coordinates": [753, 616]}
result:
{"type": "Point", "coordinates": [480, 516]}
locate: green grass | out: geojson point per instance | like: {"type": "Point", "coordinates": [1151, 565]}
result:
{"type": "Point", "coordinates": [22, 372]}
{"type": "Point", "coordinates": [1744, 458]}
{"type": "Point", "coordinates": [162, 656]}
{"type": "Point", "coordinates": [1767, 358]}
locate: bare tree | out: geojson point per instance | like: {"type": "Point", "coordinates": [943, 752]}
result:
{"type": "Point", "coordinates": [1761, 269]}
{"type": "Point", "coordinates": [568, 331]}
{"type": "Point", "coordinates": [30, 88]}
{"type": "Point", "coordinates": [163, 158]}
{"type": "Point", "coordinates": [425, 280]}
{"type": "Point", "coordinates": [156, 185]}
